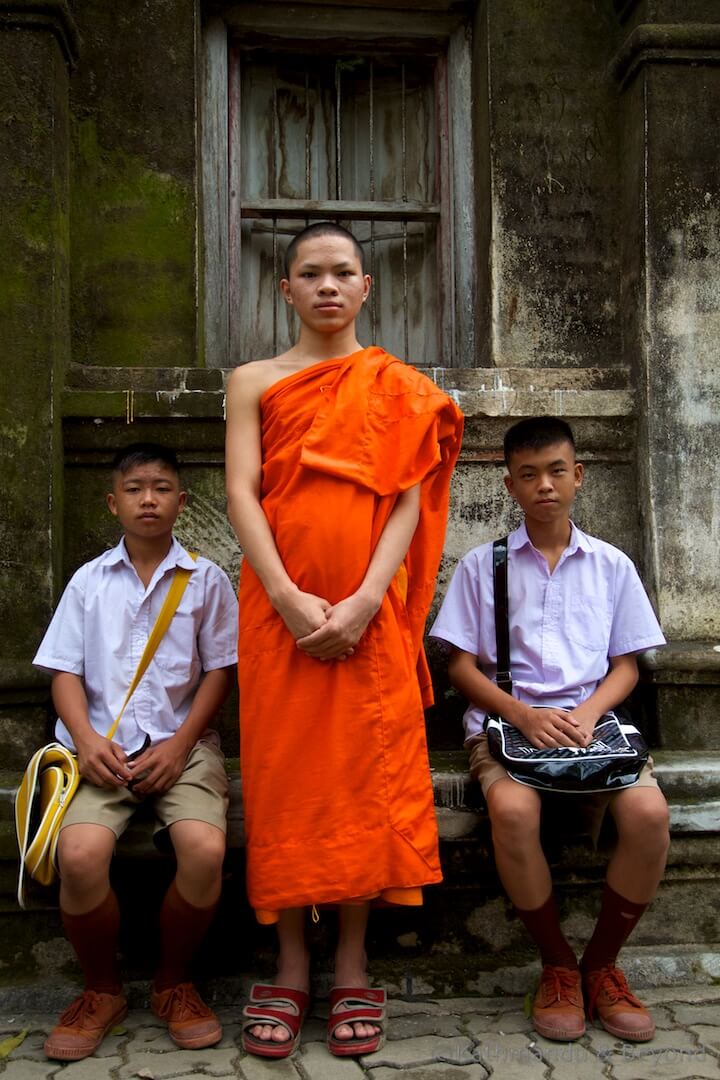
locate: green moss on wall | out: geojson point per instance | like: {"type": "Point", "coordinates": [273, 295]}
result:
{"type": "Point", "coordinates": [133, 267]}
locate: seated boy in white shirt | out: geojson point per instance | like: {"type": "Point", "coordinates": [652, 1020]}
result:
{"type": "Point", "coordinates": [92, 647]}
{"type": "Point", "coordinates": [578, 613]}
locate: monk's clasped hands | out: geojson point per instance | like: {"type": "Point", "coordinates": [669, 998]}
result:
{"type": "Point", "coordinates": [346, 623]}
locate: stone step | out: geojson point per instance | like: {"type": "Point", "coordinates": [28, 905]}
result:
{"type": "Point", "coordinates": [690, 780]}
{"type": "Point", "coordinates": [464, 938]}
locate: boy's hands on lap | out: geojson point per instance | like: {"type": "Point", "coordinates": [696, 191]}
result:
{"type": "Point", "coordinates": [159, 767]}
{"type": "Point", "coordinates": [101, 761]}
{"type": "Point", "coordinates": [586, 717]}
{"type": "Point", "coordinates": [552, 727]}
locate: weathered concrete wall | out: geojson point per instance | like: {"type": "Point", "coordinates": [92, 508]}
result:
{"type": "Point", "coordinates": [134, 279]}
{"type": "Point", "coordinates": [553, 147]}
{"type": "Point", "coordinates": [683, 355]}
{"type": "Point", "coordinates": [34, 239]}
{"type": "Point", "coordinates": [671, 313]}
{"type": "Point", "coordinates": [596, 194]}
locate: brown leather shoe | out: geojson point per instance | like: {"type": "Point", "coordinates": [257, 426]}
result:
{"type": "Point", "coordinates": [618, 1010]}
{"type": "Point", "coordinates": [191, 1024]}
{"type": "Point", "coordinates": [558, 1011]}
{"type": "Point", "coordinates": [84, 1025]}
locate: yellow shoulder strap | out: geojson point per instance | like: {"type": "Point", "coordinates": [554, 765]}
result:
{"type": "Point", "coordinates": [165, 616]}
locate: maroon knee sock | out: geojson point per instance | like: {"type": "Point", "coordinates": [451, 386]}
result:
{"type": "Point", "coordinates": [182, 928]}
{"type": "Point", "coordinates": [543, 926]}
{"type": "Point", "coordinates": [617, 918]}
{"type": "Point", "coordinates": [93, 935]}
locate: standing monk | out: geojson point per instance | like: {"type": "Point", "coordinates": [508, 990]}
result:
{"type": "Point", "coordinates": [338, 465]}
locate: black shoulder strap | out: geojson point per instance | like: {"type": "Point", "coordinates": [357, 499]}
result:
{"type": "Point", "coordinates": [502, 628]}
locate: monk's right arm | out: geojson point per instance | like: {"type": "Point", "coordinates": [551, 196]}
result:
{"type": "Point", "coordinates": [301, 612]}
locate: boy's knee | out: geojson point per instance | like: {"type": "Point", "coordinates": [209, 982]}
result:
{"type": "Point", "coordinates": [199, 847]}
{"type": "Point", "coordinates": [646, 822]}
{"type": "Point", "coordinates": [514, 812]}
{"type": "Point", "coordinates": [81, 861]}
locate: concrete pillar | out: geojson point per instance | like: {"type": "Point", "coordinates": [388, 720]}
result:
{"type": "Point", "coordinates": [670, 83]}
{"type": "Point", "coordinates": [37, 48]}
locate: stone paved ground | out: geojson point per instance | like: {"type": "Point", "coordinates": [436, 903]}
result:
{"type": "Point", "coordinates": [442, 1039]}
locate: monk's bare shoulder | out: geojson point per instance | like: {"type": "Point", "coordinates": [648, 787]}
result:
{"type": "Point", "coordinates": [248, 382]}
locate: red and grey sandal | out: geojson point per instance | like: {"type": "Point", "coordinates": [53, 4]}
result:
{"type": "Point", "coordinates": [274, 1005]}
{"type": "Point", "coordinates": [356, 1005]}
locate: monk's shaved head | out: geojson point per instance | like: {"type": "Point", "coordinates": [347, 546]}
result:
{"type": "Point", "coordinates": [320, 228]}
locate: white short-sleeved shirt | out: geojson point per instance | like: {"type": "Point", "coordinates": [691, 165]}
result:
{"type": "Point", "coordinates": [563, 626]}
{"type": "Point", "coordinates": [100, 628]}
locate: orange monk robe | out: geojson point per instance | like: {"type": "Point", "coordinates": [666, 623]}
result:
{"type": "Point", "coordinates": [336, 786]}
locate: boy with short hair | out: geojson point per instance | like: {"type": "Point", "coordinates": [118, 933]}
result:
{"type": "Point", "coordinates": [578, 614]}
{"type": "Point", "coordinates": [161, 753]}
{"type": "Point", "coordinates": [338, 463]}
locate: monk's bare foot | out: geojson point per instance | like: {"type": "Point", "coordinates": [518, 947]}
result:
{"type": "Point", "coordinates": [293, 975]}
{"type": "Point", "coordinates": [351, 971]}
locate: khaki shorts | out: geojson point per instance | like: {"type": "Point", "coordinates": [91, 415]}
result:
{"type": "Point", "coordinates": [199, 794]}
{"type": "Point", "coordinates": [588, 809]}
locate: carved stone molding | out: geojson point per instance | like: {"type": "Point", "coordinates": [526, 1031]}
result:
{"type": "Point", "coordinates": [51, 15]}
{"type": "Point", "coordinates": [669, 43]}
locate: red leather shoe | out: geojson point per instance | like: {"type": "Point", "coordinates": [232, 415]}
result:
{"type": "Point", "coordinates": [558, 1011]}
{"type": "Point", "coordinates": [84, 1025]}
{"type": "Point", "coordinates": [191, 1024]}
{"type": "Point", "coordinates": [618, 1010]}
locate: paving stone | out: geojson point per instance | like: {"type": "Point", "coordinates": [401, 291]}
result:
{"type": "Point", "coordinates": [665, 1065]}
{"type": "Point", "coordinates": [31, 1048]}
{"type": "Point", "coordinates": [222, 1061]}
{"type": "Point", "coordinates": [691, 993]}
{"type": "Point", "coordinates": [433, 1072]}
{"type": "Point", "coordinates": [91, 1068]}
{"type": "Point", "coordinates": [569, 1060]}
{"type": "Point", "coordinates": [36, 1070]}
{"type": "Point", "coordinates": [605, 1045]}
{"type": "Point", "coordinates": [708, 1034]}
{"type": "Point", "coordinates": [665, 1040]}
{"type": "Point", "coordinates": [397, 1007]}
{"type": "Point", "coordinates": [663, 1017]}
{"type": "Point", "coordinates": [153, 1038]}
{"type": "Point", "coordinates": [408, 1027]}
{"type": "Point", "coordinates": [175, 1063]}
{"type": "Point", "coordinates": [509, 1057]}
{"type": "Point", "coordinates": [407, 1053]}
{"type": "Point", "coordinates": [446, 1007]}
{"type": "Point", "coordinates": [601, 1042]}
{"type": "Point", "coordinates": [696, 1014]}
{"type": "Point", "coordinates": [506, 1023]}
{"type": "Point", "coordinates": [319, 1064]}
{"type": "Point", "coordinates": [255, 1068]}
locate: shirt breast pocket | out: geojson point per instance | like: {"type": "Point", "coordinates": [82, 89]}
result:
{"type": "Point", "coordinates": [588, 622]}
{"type": "Point", "coordinates": [177, 652]}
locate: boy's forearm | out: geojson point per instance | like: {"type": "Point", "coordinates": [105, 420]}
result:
{"type": "Point", "coordinates": [70, 701]}
{"type": "Point", "coordinates": [614, 688]}
{"type": "Point", "coordinates": [483, 692]}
